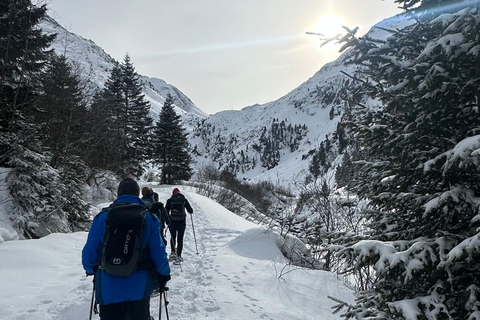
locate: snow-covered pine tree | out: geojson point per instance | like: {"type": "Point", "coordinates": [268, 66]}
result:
{"type": "Point", "coordinates": [171, 145]}
{"type": "Point", "coordinates": [38, 203]}
{"type": "Point", "coordinates": [33, 184]}
{"type": "Point", "coordinates": [420, 142]}
{"type": "Point", "coordinates": [24, 52]}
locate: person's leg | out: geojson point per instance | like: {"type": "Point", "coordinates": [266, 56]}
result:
{"type": "Point", "coordinates": [173, 236]}
{"type": "Point", "coordinates": [138, 310]}
{"type": "Point", "coordinates": [181, 233]}
{"type": "Point", "coordinates": [163, 234]}
{"type": "Point", "coordinates": [164, 240]}
{"type": "Point", "coordinates": [113, 311]}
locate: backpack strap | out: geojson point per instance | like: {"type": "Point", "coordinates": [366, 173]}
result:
{"type": "Point", "coordinates": [146, 262]}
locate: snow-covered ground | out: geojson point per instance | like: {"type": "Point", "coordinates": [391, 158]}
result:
{"type": "Point", "coordinates": [238, 273]}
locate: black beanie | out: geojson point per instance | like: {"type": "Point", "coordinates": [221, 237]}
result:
{"type": "Point", "coordinates": [128, 186]}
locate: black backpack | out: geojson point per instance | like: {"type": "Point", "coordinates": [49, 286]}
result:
{"type": "Point", "coordinates": [122, 247]}
{"type": "Point", "coordinates": [177, 207]}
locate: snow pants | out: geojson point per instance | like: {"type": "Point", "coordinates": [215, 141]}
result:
{"type": "Point", "coordinates": [127, 310]}
{"type": "Point", "coordinates": [177, 231]}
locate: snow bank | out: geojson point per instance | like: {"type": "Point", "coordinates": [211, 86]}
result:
{"type": "Point", "coordinates": [6, 230]}
{"type": "Point", "coordinates": [258, 243]}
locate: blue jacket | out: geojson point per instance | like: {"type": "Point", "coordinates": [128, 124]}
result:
{"type": "Point", "coordinates": [110, 289]}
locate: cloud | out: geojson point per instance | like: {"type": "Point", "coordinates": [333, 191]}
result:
{"type": "Point", "coordinates": [223, 46]}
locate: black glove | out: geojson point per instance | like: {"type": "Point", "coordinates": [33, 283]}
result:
{"type": "Point", "coordinates": [162, 281]}
{"type": "Point", "coordinates": [95, 268]}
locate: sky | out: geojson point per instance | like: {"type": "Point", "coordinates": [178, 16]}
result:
{"type": "Point", "coordinates": [223, 55]}
{"type": "Point", "coordinates": [238, 273]}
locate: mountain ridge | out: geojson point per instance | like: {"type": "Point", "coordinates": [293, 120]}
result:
{"type": "Point", "coordinates": [316, 106]}
{"type": "Point", "coordinates": [95, 66]}
{"type": "Point", "coordinates": [273, 141]}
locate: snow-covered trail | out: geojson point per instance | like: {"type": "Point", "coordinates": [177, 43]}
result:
{"type": "Point", "coordinates": [200, 287]}
{"type": "Point", "coordinates": [235, 275]}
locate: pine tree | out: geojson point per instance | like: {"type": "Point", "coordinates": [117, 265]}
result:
{"type": "Point", "coordinates": [171, 145]}
{"type": "Point", "coordinates": [23, 49]}
{"type": "Point", "coordinates": [107, 140]}
{"type": "Point", "coordinates": [122, 113]}
{"type": "Point", "coordinates": [60, 111]}
{"type": "Point", "coordinates": [61, 116]}
{"type": "Point", "coordinates": [103, 140]}
{"type": "Point", "coordinates": [38, 204]}
{"type": "Point", "coordinates": [418, 167]}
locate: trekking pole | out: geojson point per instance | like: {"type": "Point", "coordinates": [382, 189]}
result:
{"type": "Point", "coordinates": [166, 302]}
{"type": "Point", "coordinates": [194, 237]}
{"type": "Point", "coordinates": [93, 299]}
{"type": "Point", "coordinates": [160, 307]}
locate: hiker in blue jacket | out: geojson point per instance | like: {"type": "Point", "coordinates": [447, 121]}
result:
{"type": "Point", "coordinates": [126, 297]}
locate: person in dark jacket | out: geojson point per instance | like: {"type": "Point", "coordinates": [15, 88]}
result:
{"type": "Point", "coordinates": [176, 206]}
{"type": "Point", "coordinates": [122, 298]}
{"type": "Point", "coordinates": [156, 207]}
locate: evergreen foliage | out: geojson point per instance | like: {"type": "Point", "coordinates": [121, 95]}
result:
{"type": "Point", "coordinates": [61, 115]}
{"type": "Point", "coordinates": [34, 185]}
{"type": "Point", "coordinates": [38, 204]}
{"type": "Point", "coordinates": [23, 49]}
{"type": "Point", "coordinates": [137, 122]}
{"type": "Point", "coordinates": [104, 151]}
{"type": "Point", "coordinates": [60, 111]}
{"type": "Point", "coordinates": [419, 165]}
{"type": "Point", "coordinates": [266, 147]}
{"type": "Point", "coordinates": [121, 116]}
{"type": "Point", "coordinates": [171, 145]}
{"type": "Point", "coordinates": [279, 136]}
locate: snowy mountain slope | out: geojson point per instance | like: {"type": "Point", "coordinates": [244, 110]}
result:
{"type": "Point", "coordinates": [252, 143]}
{"type": "Point", "coordinates": [231, 277]}
{"type": "Point", "coordinates": [314, 106]}
{"type": "Point", "coordinates": [95, 66]}
{"type": "Point", "coordinates": [274, 141]}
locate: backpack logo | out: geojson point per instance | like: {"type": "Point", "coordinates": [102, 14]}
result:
{"type": "Point", "coordinates": [122, 246]}
{"type": "Point", "coordinates": [127, 241]}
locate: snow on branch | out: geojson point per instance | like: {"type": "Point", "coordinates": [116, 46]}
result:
{"type": "Point", "coordinates": [467, 245]}
{"type": "Point", "coordinates": [417, 255]}
{"type": "Point", "coordinates": [464, 154]}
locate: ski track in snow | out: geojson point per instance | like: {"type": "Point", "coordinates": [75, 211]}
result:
{"type": "Point", "coordinates": [191, 290]}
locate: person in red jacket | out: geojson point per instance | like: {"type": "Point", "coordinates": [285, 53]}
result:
{"type": "Point", "coordinates": [176, 206]}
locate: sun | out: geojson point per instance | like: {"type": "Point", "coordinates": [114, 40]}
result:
{"type": "Point", "coordinates": [329, 25]}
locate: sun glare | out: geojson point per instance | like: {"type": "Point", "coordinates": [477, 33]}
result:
{"type": "Point", "coordinates": [329, 25]}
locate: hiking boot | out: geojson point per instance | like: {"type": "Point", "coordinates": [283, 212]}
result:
{"type": "Point", "coordinates": [173, 256]}
{"type": "Point", "coordinates": [179, 259]}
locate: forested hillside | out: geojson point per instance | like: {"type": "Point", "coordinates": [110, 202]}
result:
{"type": "Point", "coordinates": [71, 118]}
